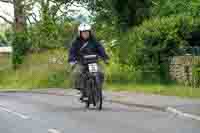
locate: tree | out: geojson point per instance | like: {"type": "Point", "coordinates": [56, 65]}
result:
{"type": "Point", "coordinates": [19, 16]}
{"type": "Point", "coordinates": [3, 17]}
{"type": "Point", "coordinates": [178, 7]}
{"type": "Point", "coordinates": [21, 12]}
{"type": "Point", "coordinates": [127, 12]}
{"type": "Point", "coordinates": [19, 27]}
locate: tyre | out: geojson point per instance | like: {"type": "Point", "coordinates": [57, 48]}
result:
{"type": "Point", "coordinates": [87, 104]}
{"type": "Point", "coordinates": [99, 98]}
{"type": "Point", "coordinates": [88, 86]}
{"type": "Point", "coordinates": [93, 96]}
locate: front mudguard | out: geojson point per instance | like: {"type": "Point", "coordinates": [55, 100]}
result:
{"type": "Point", "coordinates": [99, 79]}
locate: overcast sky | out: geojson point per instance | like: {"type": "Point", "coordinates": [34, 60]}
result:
{"type": "Point", "coordinates": [8, 11]}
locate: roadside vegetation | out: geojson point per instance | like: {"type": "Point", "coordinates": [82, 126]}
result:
{"type": "Point", "coordinates": [156, 88]}
{"type": "Point", "coordinates": [140, 41]}
{"type": "Point", "coordinates": [49, 69]}
{"type": "Point", "coordinates": [39, 70]}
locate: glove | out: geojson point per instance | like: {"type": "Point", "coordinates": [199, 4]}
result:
{"type": "Point", "coordinates": [106, 62]}
{"type": "Point", "coordinates": [72, 64]}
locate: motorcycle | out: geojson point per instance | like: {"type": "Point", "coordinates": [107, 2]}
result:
{"type": "Point", "coordinates": [93, 89]}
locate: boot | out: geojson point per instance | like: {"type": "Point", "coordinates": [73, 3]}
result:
{"type": "Point", "coordinates": [83, 96]}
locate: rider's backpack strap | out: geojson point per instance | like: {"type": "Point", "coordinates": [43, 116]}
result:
{"type": "Point", "coordinates": [84, 45]}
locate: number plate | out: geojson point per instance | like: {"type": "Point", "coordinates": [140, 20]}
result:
{"type": "Point", "coordinates": [93, 67]}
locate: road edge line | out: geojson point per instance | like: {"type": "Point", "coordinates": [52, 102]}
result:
{"type": "Point", "coordinates": [163, 109]}
{"type": "Point", "coordinates": [14, 112]}
{"type": "Point", "coordinates": [180, 113]}
{"type": "Point", "coordinates": [138, 105]}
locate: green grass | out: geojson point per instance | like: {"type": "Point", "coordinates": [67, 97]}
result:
{"type": "Point", "coordinates": [40, 71]}
{"type": "Point", "coordinates": [161, 89]}
{"type": "Point", "coordinates": [37, 71]}
{"type": "Point", "coordinates": [5, 61]}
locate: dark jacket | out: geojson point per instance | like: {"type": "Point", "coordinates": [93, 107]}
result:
{"type": "Point", "coordinates": [93, 47]}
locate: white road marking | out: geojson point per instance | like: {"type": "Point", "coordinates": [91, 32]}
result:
{"type": "Point", "coordinates": [187, 115]}
{"type": "Point", "coordinates": [14, 112]}
{"type": "Point", "coordinates": [53, 131]}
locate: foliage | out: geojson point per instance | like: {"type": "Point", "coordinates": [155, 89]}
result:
{"type": "Point", "coordinates": [20, 46]}
{"type": "Point", "coordinates": [49, 74]}
{"type": "Point", "coordinates": [145, 49]}
{"type": "Point", "coordinates": [50, 35]}
{"type": "Point", "coordinates": [152, 37]}
{"type": "Point", "coordinates": [196, 75]}
{"type": "Point", "coordinates": [6, 37]}
{"type": "Point", "coordinates": [105, 31]}
{"type": "Point", "coordinates": [156, 88]}
{"type": "Point", "coordinates": [2, 39]}
{"type": "Point", "coordinates": [127, 13]}
{"type": "Point", "coordinates": [178, 7]}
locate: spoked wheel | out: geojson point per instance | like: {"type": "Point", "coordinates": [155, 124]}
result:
{"type": "Point", "coordinates": [89, 101]}
{"type": "Point", "coordinates": [98, 99]}
{"type": "Point", "coordinates": [94, 94]}
{"type": "Point", "coordinates": [97, 96]}
{"type": "Point", "coordinates": [87, 104]}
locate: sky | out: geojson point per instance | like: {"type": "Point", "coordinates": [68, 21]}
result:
{"type": "Point", "coordinates": [8, 11]}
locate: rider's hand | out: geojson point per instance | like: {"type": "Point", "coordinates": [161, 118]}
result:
{"type": "Point", "coordinates": [72, 64]}
{"type": "Point", "coordinates": [106, 62]}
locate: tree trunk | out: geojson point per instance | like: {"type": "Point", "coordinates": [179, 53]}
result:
{"type": "Point", "coordinates": [19, 16]}
{"type": "Point", "coordinates": [20, 39]}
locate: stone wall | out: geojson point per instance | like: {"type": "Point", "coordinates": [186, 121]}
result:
{"type": "Point", "coordinates": [180, 68]}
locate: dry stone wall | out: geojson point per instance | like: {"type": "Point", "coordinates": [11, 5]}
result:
{"type": "Point", "coordinates": [180, 68]}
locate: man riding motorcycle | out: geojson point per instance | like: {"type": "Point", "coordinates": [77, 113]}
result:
{"type": "Point", "coordinates": [85, 44]}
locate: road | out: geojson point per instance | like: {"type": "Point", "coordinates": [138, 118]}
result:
{"type": "Point", "coordinates": [42, 113]}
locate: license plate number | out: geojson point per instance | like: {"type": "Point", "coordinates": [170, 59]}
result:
{"type": "Point", "coordinates": [93, 67]}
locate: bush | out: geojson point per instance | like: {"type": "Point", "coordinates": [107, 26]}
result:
{"type": "Point", "coordinates": [50, 35]}
{"type": "Point", "coordinates": [20, 46]}
{"type": "Point", "coordinates": [2, 39]}
{"type": "Point", "coordinates": [105, 31]}
{"type": "Point", "coordinates": [196, 76]}
{"type": "Point", "coordinates": [178, 7]}
{"type": "Point", "coordinates": [146, 47]}
{"type": "Point", "coordinates": [6, 37]}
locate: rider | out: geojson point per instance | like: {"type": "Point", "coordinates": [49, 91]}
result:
{"type": "Point", "coordinates": [84, 44]}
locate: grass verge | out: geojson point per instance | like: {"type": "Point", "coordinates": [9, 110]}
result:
{"type": "Point", "coordinates": [40, 70]}
{"type": "Point", "coordinates": [156, 88]}
{"type": "Point", "coordinates": [49, 69]}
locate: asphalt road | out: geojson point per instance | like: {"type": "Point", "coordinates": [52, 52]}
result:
{"type": "Point", "coordinates": [42, 113]}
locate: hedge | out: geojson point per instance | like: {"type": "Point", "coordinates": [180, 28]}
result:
{"type": "Point", "coordinates": [145, 47]}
